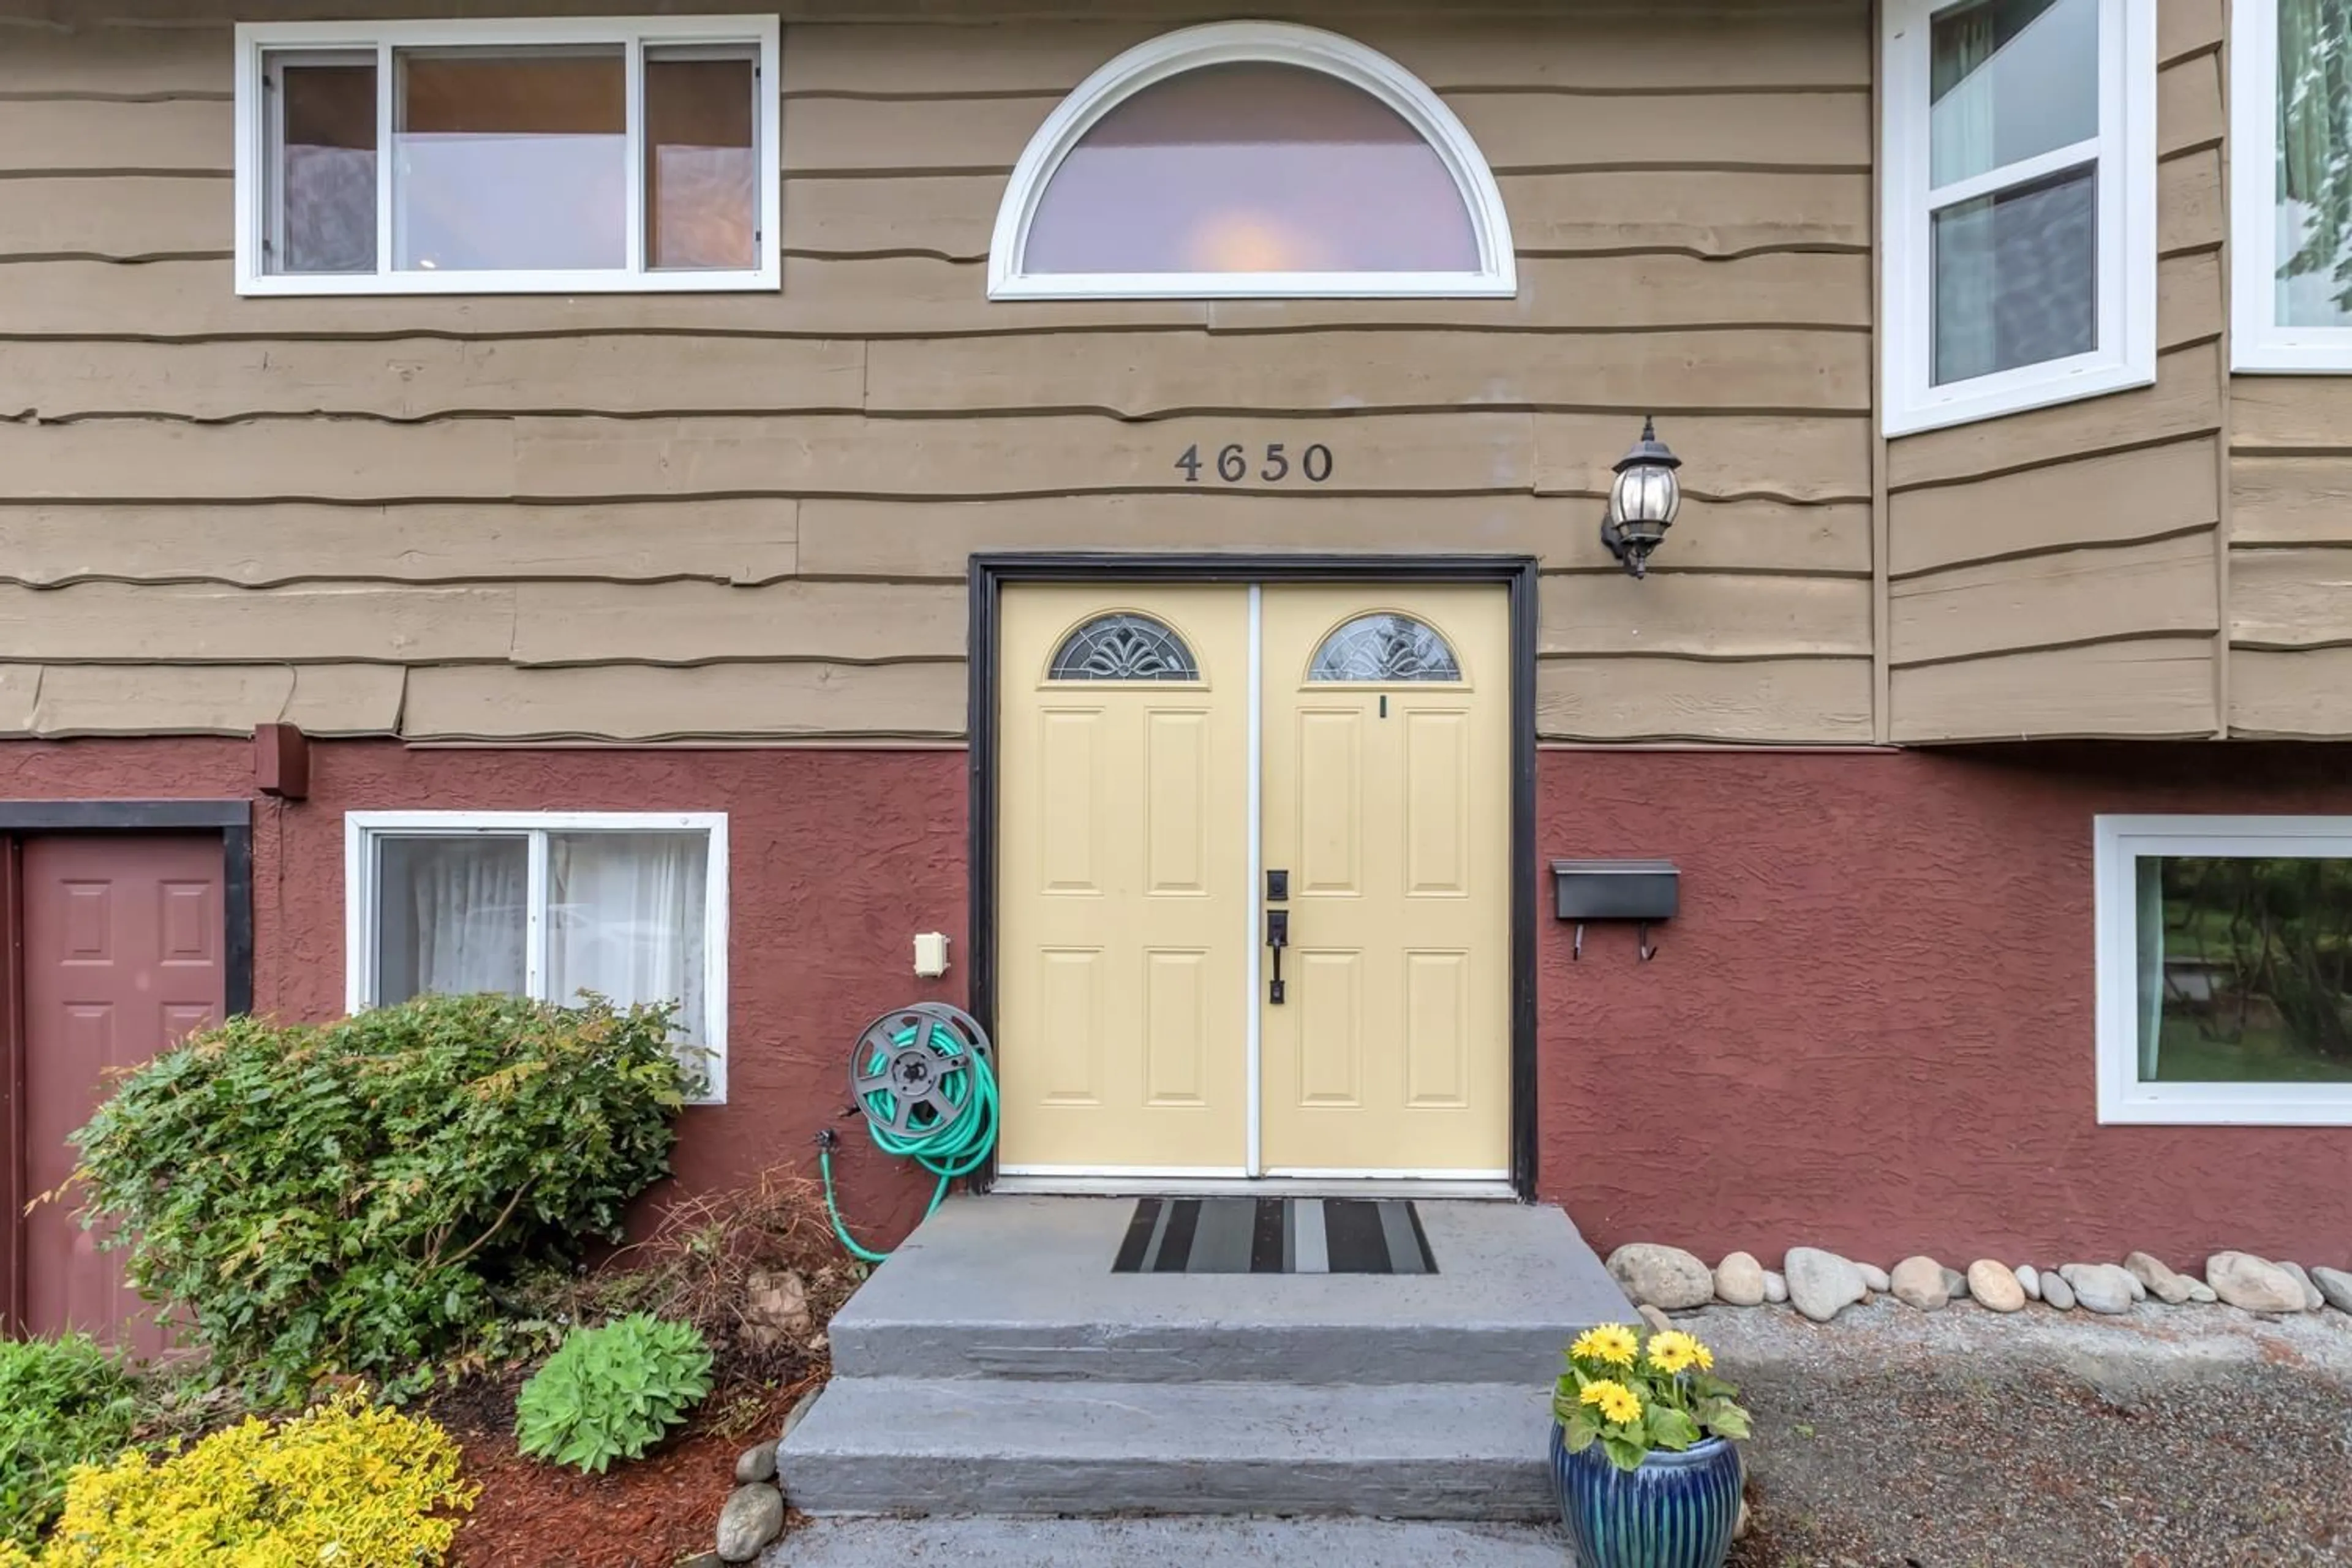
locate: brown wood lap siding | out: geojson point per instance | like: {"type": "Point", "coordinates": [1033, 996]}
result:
{"type": "Point", "coordinates": [2056, 573]}
{"type": "Point", "coordinates": [747, 516]}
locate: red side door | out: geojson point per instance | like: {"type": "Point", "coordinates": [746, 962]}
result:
{"type": "Point", "coordinates": [123, 955]}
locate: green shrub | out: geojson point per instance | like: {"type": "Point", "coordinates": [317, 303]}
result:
{"type": "Point", "coordinates": [62, 1401]}
{"type": "Point", "coordinates": [344, 1483]}
{"type": "Point", "coordinates": [610, 1393]}
{"type": "Point", "coordinates": [345, 1198]}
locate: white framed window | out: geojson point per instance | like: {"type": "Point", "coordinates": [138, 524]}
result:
{"type": "Point", "coordinates": [554, 155]}
{"type": "Point", "coordinates": [630, 905]}
{"type": "Point", "coordinates": [1251, 160]}
{"type": "Point", "coordinates": [2224, 969]}
{"type": "Point", "coordinates": [2018, 206]}
{"type": "Point", "coordinates": [2291, 185]}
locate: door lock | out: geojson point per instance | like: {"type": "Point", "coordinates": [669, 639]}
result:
{"type": "Point", "coordinates": [1277, 886]}
{"type": "Point", "coordinates": [1277, 937]}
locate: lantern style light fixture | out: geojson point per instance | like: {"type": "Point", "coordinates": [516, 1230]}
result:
{"type": "Point", "coordinates": [1641, 501]}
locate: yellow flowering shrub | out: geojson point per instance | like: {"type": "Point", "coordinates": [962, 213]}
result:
{"type": "Point", "coordinates": [1632, 1394]}
{"type": "Point", "coordinates": [346, 1483]}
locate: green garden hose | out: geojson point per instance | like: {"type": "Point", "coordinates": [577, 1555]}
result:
{"type": "Point", "coordinates": [922, 1078]}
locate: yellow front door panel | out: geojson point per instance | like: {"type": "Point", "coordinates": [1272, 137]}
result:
{"type": "Point", "coordinates": [1130, 927]}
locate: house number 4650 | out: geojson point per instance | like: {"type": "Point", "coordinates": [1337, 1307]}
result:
{"type": "Point", "coordinates": [1274, 464]}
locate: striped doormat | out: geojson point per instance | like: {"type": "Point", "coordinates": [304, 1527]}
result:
{"type": "Point", "coordinates": [1275, 1236]}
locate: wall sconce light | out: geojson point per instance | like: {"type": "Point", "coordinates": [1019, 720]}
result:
{"type": "Point", "coordinates": [1641, 501]}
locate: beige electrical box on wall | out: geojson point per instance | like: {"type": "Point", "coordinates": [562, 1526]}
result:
{"type": "Point", "coordinates": [930, 955]}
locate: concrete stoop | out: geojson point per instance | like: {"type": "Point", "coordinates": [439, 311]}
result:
{"type": "Point", "coordinates": [996, 1366]}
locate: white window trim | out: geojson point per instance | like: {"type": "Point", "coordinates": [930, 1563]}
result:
{"type": "Point", "coordinates": [2258, 343]}
{"type": "Point", "coordinates": [2126, 152]}
{"type": "Point", "coordinates": [361, 830]}
{"type": "Point", "coordinates": [2118, 844]}
{"type": "Point", "coordinates": [1275, 43]}
{"type": "Point", "coordinates": [635, 34]}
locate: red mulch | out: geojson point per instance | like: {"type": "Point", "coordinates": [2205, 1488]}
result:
{"type": "Point", "coordinates": [643, 1514]}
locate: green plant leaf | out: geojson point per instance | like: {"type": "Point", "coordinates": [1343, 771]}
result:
{"type": "Point", "coordinates": [1724, 1419]}
{"type": "Point", "coordinates": [1578, 1430]}
{"type": "Point", "coordinates": [1671, 1429]}
{"type": "Point", "coordinates": [1625, 1453]}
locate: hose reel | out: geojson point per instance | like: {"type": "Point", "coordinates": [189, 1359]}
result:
{"type": "Point", "coordinates": [924, 1079]}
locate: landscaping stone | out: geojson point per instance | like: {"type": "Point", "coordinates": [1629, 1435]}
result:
{"type": "Point", "coordinates": [1876, 1277]}
{"type": "Point", "coordinates": [799, 1408]}
{"type": "Point", "coordinates": [1956, 1285]}
{"type": "Point", "coordinates": [1665, 1277]}
{"type": "Point", "coordinates": [1821, 1284]}
{"type": "Point", "coordinates": [2312, 1298]}
{"type": "Point", "coordinates": [756, 1465]}
{"type": "Point", "coordinates": [2028, 1280]}
{"type": "Point", "coordinates": [775, 1308]}
{"type": "Point", "coordinates": [2201, 1293]}
{"type": "Point", "coordinates": [1740, 1280]}
{"type": "Point", "coordinates": [1920, 1282]}
{"type": "Point", "coordinates": [2335, 1287]}
{"type": "Point", "coordinates": [2165, 1286]}
{"type": "Point", "coordinates": [1658, 1319]}
{"type": "Point", "coordinates": [1992, 1286]}
{"type": "Point", "coordinates": [1776, 1288]}
{"type": "Point", "coordinates": [2098, 1287]}
{"type": "Point", "coordinates": [2253, 1284]}
{"type": "Point", "coordinates": [754, 1516]}
{"type": "Point", "coordinates": [700, 1560]}
{"type": "Point", "coordinates": [2056, 1292]}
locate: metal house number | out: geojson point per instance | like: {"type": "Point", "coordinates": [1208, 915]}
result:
{"type": "Point", "coordinates": [1273, 462]}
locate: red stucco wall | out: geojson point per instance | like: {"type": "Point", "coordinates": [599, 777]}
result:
{"type": "Point", "coordinates": [1870, 1029]}
{"type": "Point", "coordinates": [837, 859]}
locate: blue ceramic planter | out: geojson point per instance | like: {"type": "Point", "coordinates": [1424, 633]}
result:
{"type": "Point", "coordinates": [1676, 1511]}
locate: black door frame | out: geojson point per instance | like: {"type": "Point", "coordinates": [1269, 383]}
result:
{"type": "Point", "coordinates": [991, 573]}
{"type": "Point", "coordinates": [20, 819]}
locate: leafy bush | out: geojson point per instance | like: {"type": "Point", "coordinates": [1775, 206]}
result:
{"type": "Point", "coordinates": [343, 1483]}
{"type": "Point", "coordinates": [62, 1401]}
{"type": "Point", "coordinates": [343, 1198]}
{"type": "Point", "coordinates": [610, 1393]}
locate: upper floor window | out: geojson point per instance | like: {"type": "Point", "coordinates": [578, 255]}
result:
{"type": "Point", "coordinates": [1251, 159]}
{"type": "Point", "coordinates": [2291, 184]}
{"type": "Point", "coordinates": [2225, 968]}
{"type": "Point", "coordinates": [555, 156]}
{"type": "Point", "coordinates": [2018, 210]}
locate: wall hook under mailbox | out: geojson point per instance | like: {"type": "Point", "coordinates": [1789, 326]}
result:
{"type": "Point", "coordinates": [1643, 943]}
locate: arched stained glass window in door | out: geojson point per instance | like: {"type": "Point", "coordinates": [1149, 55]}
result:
{"type": "Point", "coordinates": [1124, 646]}
{"type": "Point", "coordinates": [1384, 647]}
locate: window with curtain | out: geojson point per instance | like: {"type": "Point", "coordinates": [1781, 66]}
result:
{"type": "Point", "coordinates": [2020, 176]}
{"type": "Point", "coordinates": [560, 154]}
{"type": "Point", "coordinates": [2225, 968]}
{"type": "Point", "coordinates": [2291, 150]}
{"type": "Point", "coordinates": [628, 908]}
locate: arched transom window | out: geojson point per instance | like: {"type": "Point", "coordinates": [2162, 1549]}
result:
{"type": "Point", "coordinates": [1251, 159]}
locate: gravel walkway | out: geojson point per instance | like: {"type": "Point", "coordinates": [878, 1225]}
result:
{"type": "Point", "coordinates": [2170, 1438]}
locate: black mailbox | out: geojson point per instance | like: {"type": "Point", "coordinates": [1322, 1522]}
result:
{"type": "Point", "coordinates": [1641, 891]}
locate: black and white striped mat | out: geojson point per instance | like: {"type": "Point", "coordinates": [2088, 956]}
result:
{"type": "Point", "coordinates": [1275, 1236]}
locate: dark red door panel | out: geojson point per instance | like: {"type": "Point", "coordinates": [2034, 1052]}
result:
{"type": "Point", "coordinates": [124, 954]}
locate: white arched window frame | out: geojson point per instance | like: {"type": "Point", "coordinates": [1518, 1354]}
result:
{"type": "Point", "coordinates": [1252, 43]}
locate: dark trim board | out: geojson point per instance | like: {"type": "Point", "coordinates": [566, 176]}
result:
{"type": "Point", "coordinates": [19, 819]}
{"type": "Point", "coordinates": [989, 576]}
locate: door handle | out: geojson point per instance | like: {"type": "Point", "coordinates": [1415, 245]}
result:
{"type": "Point", "coordinates": [1277, 937]}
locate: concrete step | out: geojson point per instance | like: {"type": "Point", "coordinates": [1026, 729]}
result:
{"type": "Point", "coordinates": [1023, 1288]}
{"type": "Point", "coordinates": [1004, 1446]}
{"type": "Point", "coordinates": [1168, 1544]}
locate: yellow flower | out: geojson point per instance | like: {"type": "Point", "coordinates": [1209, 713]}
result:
{"type": "Point", "coordinates": [1617, 1401]}
{"type": "Point", "coordinates": [1672, 1351]}
{"type": "Point", "coordinates": [1611, 1344]}
{"type": "Point", "coordinates": [1705, 1356]}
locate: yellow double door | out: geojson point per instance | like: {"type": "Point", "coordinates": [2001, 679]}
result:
{"type": "Point", "coordinates": [1253, 882]}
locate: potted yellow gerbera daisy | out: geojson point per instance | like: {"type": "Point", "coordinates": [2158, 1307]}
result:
{"type": "Point", "coordinates": [1642, 1451]}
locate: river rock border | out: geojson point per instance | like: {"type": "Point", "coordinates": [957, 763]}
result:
{"type": "Point", "coordinates": [1821, 1284]}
